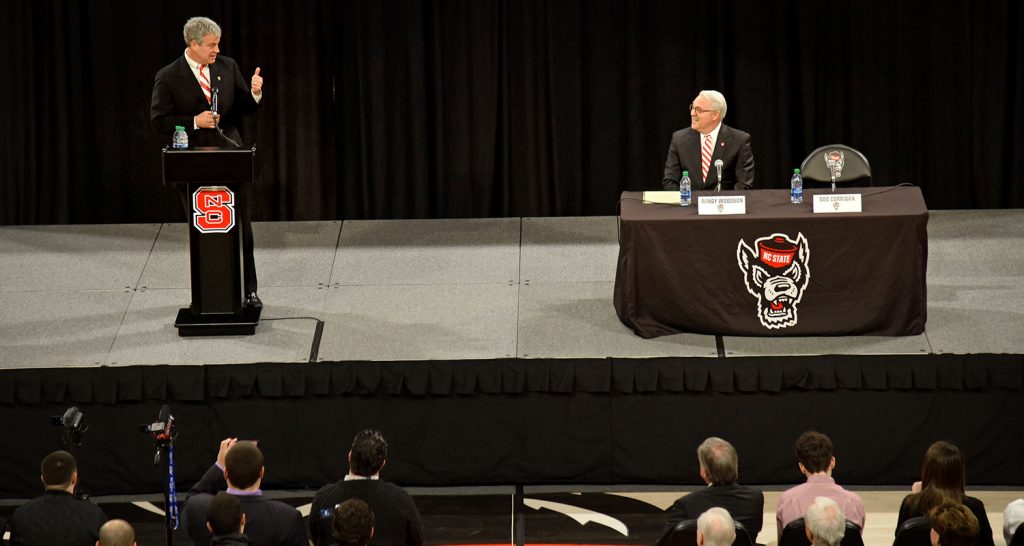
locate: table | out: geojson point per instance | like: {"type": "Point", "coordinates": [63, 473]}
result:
{"type": "Point", "coordinates": [779, 270]}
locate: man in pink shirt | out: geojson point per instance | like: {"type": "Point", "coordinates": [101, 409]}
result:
{"type": "Point", "coordinates": [814, 455]}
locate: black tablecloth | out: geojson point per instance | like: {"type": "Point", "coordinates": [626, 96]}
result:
{"type": "Point", "coordinates": [779, 270]}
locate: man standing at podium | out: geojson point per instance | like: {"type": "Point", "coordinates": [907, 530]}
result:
{"type": "Point", "coordinates": [184, 93]}
{"type": "Point", "coordinates": [708, 140]}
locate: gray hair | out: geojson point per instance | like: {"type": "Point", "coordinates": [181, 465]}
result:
{"type": "Point", "coordinates": [198, 27]}
{"type": "Point", "coordinates": [719, 460]}
{"type": "Point", "coordinates": [717, 527]}
{"type": "Point", "coordinates": [717, 100]}
{"type": "Point", "coordinates": [826, 522]}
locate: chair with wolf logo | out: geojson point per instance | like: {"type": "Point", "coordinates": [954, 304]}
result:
{"type": "Point", "coordinates": [849, 166]}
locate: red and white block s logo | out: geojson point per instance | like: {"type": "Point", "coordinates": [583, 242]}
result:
{"type": "Point", "coordinates": [214, 208]}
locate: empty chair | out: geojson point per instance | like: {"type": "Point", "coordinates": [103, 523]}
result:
{"type": "Point", "coordinates": [914, 532]}
{"type": "Point", "coordinates": [795, 534]}
{"type": "Point", "coordinates": [850, 167]}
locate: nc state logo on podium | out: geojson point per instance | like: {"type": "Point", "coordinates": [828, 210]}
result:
{"type": "Point", "coordinates": [214, 208]}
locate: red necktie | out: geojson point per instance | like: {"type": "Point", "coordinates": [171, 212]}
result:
{"type": "Point", "coordinates": [705, 156]}
{"type": "Point", "coordinates": [204, 82]}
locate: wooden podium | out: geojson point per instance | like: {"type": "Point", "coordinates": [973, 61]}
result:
{"type": "Point", "coordinates": [212, 180]}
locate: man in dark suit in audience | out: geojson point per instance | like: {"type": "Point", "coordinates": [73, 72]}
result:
{"type": "Point", "coordinates": [57, 517]}
{"type": "Point", "coordinates": [183, 95]}
{"type": "Point", "coordinates": [719, 468]}
{"type": "Point", "coordinates": [706, 140]}
{"type": "Point", "coordinates": [239, 468]}
{"type": "Point", "coordinates": [397, 519]}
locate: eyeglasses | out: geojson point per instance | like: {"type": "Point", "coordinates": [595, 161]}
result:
{"type": "Point", "coordinates": [699, 110]}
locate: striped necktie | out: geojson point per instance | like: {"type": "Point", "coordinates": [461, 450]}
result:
{"type": "Point", "coordinates": [204, 82]}
{"type": "Point", "coordinates": [705, 156]}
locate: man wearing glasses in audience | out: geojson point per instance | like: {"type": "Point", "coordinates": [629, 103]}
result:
{"type": "Point", "coordinates": [705, 141]}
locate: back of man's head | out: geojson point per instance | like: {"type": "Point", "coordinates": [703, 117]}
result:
{"type": "Point", "coordinates": [224, 514]}
{"type": "Point", "coordinates": [716, 528]}
{"type": "Point", "coordinates": [814, 451]}
{"type": "Point", "coordinates": [243, 464]}
{"type": "Point", "coordinates": [825, 522]}
{"type": "Point", "coordinates": [954, 524]}
{"type": "Point", "coordinates": [369, 451]}
{"type": "Point", "coordinates": [352, 523]}
{"type": "Point", "coordinates": [57, 469]}
{"type": "Point", "coordinates": [719, 460]}
{"type": "Point", "coordinates": [116, 532]}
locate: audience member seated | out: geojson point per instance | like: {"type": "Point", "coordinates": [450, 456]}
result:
{"type": "Point", "coordinates": [225, 519]}
{"type": "Point", "coordinates": [816, 461]}
{"type": "Point", "coordinates": [352, 524]}
{"type": "Point", "coordinates": [953, 524]}
{"type": "Point", "coordinates": [715, 527]}
{"type": "Point", "coordinates": [239, 468]}
{"type": "Point", "coordinates": [1012, 518]}
{"type": "Point", "coordinates": [397, 519]}
{"type": "Point", "coordinates": [57, 517]}
{"type": "Point", "coordinates": [719, 468]}
{"type": "Point", "coordinates": [824, 522]}
{"type": "Point", "coordinates": [116, 532]}
{"type": "Point", "coordinates": [942, 479]}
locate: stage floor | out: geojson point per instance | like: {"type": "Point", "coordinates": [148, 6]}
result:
{"type": "Point", "coordinates": [421, 290]}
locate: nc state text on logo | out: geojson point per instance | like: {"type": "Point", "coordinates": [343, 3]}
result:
{"type": "Point", "coordinates": [214, 208]}
{"type": "Point", "coordinates": [776, 274]}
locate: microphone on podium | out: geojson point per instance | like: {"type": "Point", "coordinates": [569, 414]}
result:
{"type": "Point", "coordinates": [718, 169]}
{"type": "Point", "coordinates": [214, 105]}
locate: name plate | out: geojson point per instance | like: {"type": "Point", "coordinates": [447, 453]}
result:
{"type": "Point", "coordinates": [721, 204]}
{"type": "Point", "coordinates": [837, 202]}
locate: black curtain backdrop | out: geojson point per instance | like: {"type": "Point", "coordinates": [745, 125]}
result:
{"type": "Point", "coordinates": [480, 108]}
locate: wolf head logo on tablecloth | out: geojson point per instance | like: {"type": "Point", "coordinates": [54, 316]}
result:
{"type": "Point", "coordinates": [776, 273]}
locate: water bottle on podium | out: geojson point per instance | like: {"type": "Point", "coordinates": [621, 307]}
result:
{"type": "Point", "coordinates": [796, 188]}
{"type": "Point", "coordinates": [180, 139]}
{"type": "Point", "coordinates": [684, 190]}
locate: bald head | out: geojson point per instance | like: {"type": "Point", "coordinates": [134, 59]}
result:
{"type": "Point", "coordinates": [715, 528]}
{"type": "Point", "coordinates": [116, 532]}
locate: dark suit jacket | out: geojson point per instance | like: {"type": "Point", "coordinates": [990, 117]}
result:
{"type": "Point", "coordinates": [744, 503]}
{"type": "Point", "coordinates": [733, 148]}
{"type": "Point", "coordinates": [177, 98]}
{"type": "Point", "coordinates": [267, 522]}
{"type": "Point", "coordinates": [397, 519]}
{"type": "Point", "coordinates": [56, 518]}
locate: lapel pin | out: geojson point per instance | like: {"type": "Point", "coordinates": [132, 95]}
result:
{"type": "Point", "coordinates": [218, 78]}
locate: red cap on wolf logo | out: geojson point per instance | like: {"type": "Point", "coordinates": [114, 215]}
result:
{"type": "Point", "coordinates": [776, 252]}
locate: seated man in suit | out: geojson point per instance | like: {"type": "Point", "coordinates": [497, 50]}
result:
{"type": "Point", "coordinates": [397, 520]}
{"type": "Point", "coordinates": [239, 467]}
{"type": "Point", "coordinates": [719, 468]}
{"type": "Point", "coordinates": [715, 527]}
{"type": "Point", "coordinates": [824, 522]}
{"type": "Point", "coordinates": [705, 141]}
{"type": "Point", "coordinates": [57, 517]}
